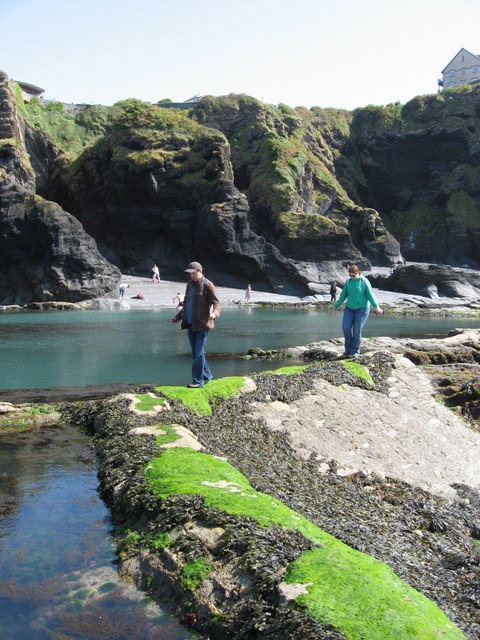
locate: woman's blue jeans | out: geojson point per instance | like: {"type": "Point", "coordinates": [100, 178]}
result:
{"type": "Point", "coordinates": [200, 369]}
{"type": "Point", "coordinates": [352, 326]}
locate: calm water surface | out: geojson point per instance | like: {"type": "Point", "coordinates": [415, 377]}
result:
{"type": "Point", "coordinates": [77, 349]}
{"type": "Point", "coordinates": [58, 577]}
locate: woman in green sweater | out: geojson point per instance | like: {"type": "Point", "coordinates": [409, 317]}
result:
{"type": "Point", "coordinates": [357, 291]}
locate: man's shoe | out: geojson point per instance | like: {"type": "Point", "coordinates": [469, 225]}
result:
{"type": "Point", "coordinates": [194, 385]}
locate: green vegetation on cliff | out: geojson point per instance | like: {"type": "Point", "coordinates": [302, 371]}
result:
{"type": "Point", "coordinates": [453, 104]}
{"type": "Point", "coordinates": [287, 153]}
{"type": "Point", "coordinates": [68, 133]}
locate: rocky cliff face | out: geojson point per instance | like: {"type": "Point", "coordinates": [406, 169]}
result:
{"type": "Point", "coordinates": [164, 186]}
{"type": "Point", "coordinates": [419, 167]}
{"type": "Point", "coordinates": [280, 197]}
{"type": "Point", "coordinates": [46, 254]}
{"type": "Point", "coordinates": [158, 187]}
{"type": "Point", "coordinates": [283, 160]}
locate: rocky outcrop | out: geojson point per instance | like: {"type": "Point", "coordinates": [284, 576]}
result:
{"type": "Point", "coordinates": [283, 161]}
{"type": "Point", "coordinates": [227, 574]}
{"type": "Point", "coordinates": [432, 281]}
{"type": "Point", "coordinates": [148, 194]}
{"type": "Point", "coordinates": [150, 198]}
{"type": "Point", "coordinates": [279, 197]}
{"type": "Point", "coordinates": [46, 254]}
{"type": "Point", "coordinates": [418, 165]}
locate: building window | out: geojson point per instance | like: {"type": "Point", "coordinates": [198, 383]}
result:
{"type": "Point", "coordinates": [475, 69]}
{"type": "Point", "coordinates": [451, 84]}
{"type": "Point", "coordinates": [475, 78]}
{"type": "Point", "coordinates": [462, 72]}
{"type": "Point", "coordinates": [452, 73]}
{"type": "Point", "coordinates": [462, 81]}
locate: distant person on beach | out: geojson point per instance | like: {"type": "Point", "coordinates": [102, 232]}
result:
{"type": "Point", "coordinates": [155, 273]}
{"type": "Point", "coordinates": [123, 287]}
{"type": "Point", "coordinates": [202, 308]}
{"type": "Point", "coordinates": [333, 291]}
{"type": "Point", "coordinates": [248, 294]}
{"type": "Point", "coordinates": [357, 291]}
{"type": "Point", "coordinates": [178, 300]}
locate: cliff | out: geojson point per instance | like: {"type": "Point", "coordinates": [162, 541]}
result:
{"type": "Point", "coordinates": [418, 165]}
{"type": "Point", "coordinates": [281, 197]}
{"type": "Point", "coordinates": [46, 254]}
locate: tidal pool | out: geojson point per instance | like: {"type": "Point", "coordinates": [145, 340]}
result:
{"type": "Point", "coordinates": [58, 574]}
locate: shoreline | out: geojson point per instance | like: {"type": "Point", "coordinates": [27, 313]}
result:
{"type": "Point", "coordinates": [162, 294]}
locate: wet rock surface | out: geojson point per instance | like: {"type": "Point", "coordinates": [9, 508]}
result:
{"type": "Point", "coordinates": [430, 541]}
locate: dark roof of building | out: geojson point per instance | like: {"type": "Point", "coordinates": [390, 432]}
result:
{"type": "Point", "coordinates": [32, 89]}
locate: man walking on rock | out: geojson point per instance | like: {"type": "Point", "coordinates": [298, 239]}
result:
{"type": "Point", "coordinates": [202, 308]}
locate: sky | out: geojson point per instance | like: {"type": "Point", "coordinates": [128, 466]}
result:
{"type": "Point", "coordinates": [337, 53]}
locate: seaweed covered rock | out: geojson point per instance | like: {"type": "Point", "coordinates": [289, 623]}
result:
{"type": "Point", "coordinates": [182, 538]}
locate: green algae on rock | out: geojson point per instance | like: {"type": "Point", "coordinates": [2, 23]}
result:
{"type": "Point", "coordinates": [287, 371]}
{"type": "Point", "coordinates": [346, 588]}
{"type": "Point", "coordinates": [147, 402]}
{"type": "Point", "coordinates": [359, 370]}
{"type": "Point", "coordinates": [200, 400]}
{"type": "Point", "coordinates": [23, 417]}
{"type": "Point", "coordinates": [425, 540]}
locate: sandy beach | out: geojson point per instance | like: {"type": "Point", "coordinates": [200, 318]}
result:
{"type": "Point", "coordinates": [162, 294]}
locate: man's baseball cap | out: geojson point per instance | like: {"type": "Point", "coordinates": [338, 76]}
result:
{"type": "Point", "coordinates": [194, 266]}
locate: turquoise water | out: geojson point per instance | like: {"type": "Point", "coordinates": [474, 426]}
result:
{"type": "Point", "coordinates": [41, 350]}
{"type": "Point", "coordinates": [58, 575]}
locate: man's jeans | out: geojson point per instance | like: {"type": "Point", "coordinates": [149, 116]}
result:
{"type": "Point", "coordinates": [352, 325]}
{"type": "Point", "coordinates": [200, 370]}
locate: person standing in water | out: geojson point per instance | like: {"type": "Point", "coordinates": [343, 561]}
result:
{"type": "Point", "coordinates": [357, 291]}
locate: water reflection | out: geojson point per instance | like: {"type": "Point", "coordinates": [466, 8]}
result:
{"type": "Point", "coordinates": [58, 577]}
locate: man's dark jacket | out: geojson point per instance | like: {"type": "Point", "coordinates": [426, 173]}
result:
{"type": "Point", "coordinates": [204, 296]}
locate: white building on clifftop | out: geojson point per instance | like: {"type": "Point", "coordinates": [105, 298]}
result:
{"type": "Point", "coordinates": [464, 68]}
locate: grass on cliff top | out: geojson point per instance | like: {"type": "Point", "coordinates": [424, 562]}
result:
{"type": "Point", "coordinates": [355, 593]}
{"type": "Point", "coordinates": [135, 115]}
{"type": "Point", "coordinates": [68, 133]}
{"type": "Point", "coordinates": [200, 400]}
